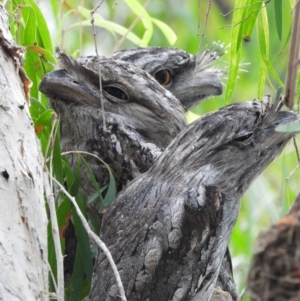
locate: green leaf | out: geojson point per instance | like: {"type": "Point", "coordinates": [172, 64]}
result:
{"type": "Point", "coordinates": [140, 11]}
{"type": "Point", "coordinates": [108, 25]}
{"type": "Point", "coordinates": [278, 17]}
{"type": "Point", "coordinates": [111, 191]}
{"type": "Point", "coordinates": [62, 212]}
{"type": "Point", "coordinates": [264, 40]}
{"type": "Point", "coordinates": [74, 187]}
{"type": "Point", "coordinates": [242, 14]}
{"type": "Point", "coordinates": [45, 118]}
{"type": "Point", "coordinates": [250, 17]}
{"type": "Point", "coordinates": [273, 72]}
{"type": "Point", "coordinates": [57, 160]}
{"type": "Point", "coordinates": [29, 64]}
{"type": "Point", "coordinates": [77, 277]}
{"type": "Point", "coordinates": [262, 75]}
{"type": "Point", "coordinates": [30, 27]}
{"type": "Point", "coordinates": [92, 178]}
{"type": "Point", "coordinates": [36, 108]}
{"type": "Point", "coordinates": [234, 50]}
{"type": "Point", "coordinates": [288, 128]}
{"type": "Point", "coordinates": [42, 27]}
{"type": "Point", "coordinates": [263, 32]}
{"type": "Point", "coordinates": [166, 30]}
{"type": "Point", "coordinates": [83, 241]}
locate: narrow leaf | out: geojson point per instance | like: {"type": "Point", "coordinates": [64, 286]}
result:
{"type": "Point", "coordinates": [263, 32]}
{"type": "Point", "coordinates": [111, 191]}
{"type": "Point", "coordinates": [278, 17]}
{"type": "Point", "coordinates": [166, 30]}
{"type": "Point", "coordinates": [250, 18]}
{"type": "Point", "coordinates": [30, 27]}
{"type": "Point", "coordinates": [84, 245]}
{"type": "Point", "coordinates": [234, 50]}
{"type": "Point", "coordinates": [262, 75]}
{"type": "Point", "coordinates": [108, 25]}
{"type": "Point", "coordinates": [42, 27]}
{"type": "Point", "coordinates": [140, 11]}
{"type": "Point", "coordinates": [273, 72]}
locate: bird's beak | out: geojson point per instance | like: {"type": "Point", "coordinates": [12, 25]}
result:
{"type": "Point", "coordinates": [59, 84]}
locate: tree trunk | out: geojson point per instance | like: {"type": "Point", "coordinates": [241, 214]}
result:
{"type": "Point", "coordinates": [23, 220]}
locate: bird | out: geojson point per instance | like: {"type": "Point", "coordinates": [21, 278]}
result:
{"type": "Point", "coordinates": [141, 117]}
{"type": "Point", "coordinates": [274, 273]}
{"type": "Point", "coordinates": [188, 77]}
{"type": "Point", "coordinates": [169, 229]}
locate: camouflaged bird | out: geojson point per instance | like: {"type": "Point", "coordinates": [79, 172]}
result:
{"type": "Point", "coordinates": [169, 229]}
{"type": "Point", "coordinates": [141, 117]}
{"type": "Point", "coordinates": [190, 78]}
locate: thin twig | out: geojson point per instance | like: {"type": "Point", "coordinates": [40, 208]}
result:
{"type": "Point", "coordinates": [296, 148]}
{"type": "Point", "coordinates": [96, 239]}
{"type": "Point", "coordinates": [98, 60]}
{"type": "Point", "coordinates": [55, 229]}
{"type": "Point", "coordinates": [89, 154]}
{"type": "Point", "coordinates": [118, 43]}
{"type": "Point", "coordinates": [291, 78]}
{"type": "Point", "coordinates": [53, 279]}
{"type": "Point", "coordinates": [55, 234]}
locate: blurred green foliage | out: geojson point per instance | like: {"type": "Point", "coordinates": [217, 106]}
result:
{"type": "Point", "coordinates": [256, 35]}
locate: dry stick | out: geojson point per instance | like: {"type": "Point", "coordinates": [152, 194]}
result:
{"type": "Point", "coordinates": [291, 78]}
{"type": "Point", "coordinates": [118, 43]}
{"type": "Point", "coordinates": [99, 66]}
{"type": "Point", "coordinates": [55, 232]}
{"type": "Point", "coordinates": [96, 239]}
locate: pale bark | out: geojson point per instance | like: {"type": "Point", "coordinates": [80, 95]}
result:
{"type": "Point", "coordinates": [23, 220]}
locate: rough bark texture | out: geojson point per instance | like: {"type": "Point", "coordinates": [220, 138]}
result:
{"type": "Point", "coordinates": [23, 220]}
{"type": "Point", "coordinates": [174, 69]}
{"type": "Point", "coordinates": [169, 229]}
{"type": "Point", "coordinates": [275, 270]}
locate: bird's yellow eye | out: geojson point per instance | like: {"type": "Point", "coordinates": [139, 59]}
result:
{"type": "Point", "coordinates": [115, 92]}
{"type": "Point", "coordinates": [163, 77]}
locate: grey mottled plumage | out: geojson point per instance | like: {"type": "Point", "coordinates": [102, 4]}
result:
{"type": "Point", "coordinates": [169, 229]}
{"type": "Point", "coordinates": [190, 78]}
{"type": "Point", "coordinates": [141, 116]}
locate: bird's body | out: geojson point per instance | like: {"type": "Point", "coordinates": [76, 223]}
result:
{"type": "Point", "coordinates": [169, 229]}
{"type": "Point", "coordinates": [188, 77]}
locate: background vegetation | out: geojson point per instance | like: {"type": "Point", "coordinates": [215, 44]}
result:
{"type": "Point", "coordinates": [262, 63]}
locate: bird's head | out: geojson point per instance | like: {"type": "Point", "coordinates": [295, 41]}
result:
{"type": "Point", "coordinates": [132, 99]}
{"type": "Point", "coordinates": [190, 78]}
{"type": "Point", "coordinates": [230, 147]}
